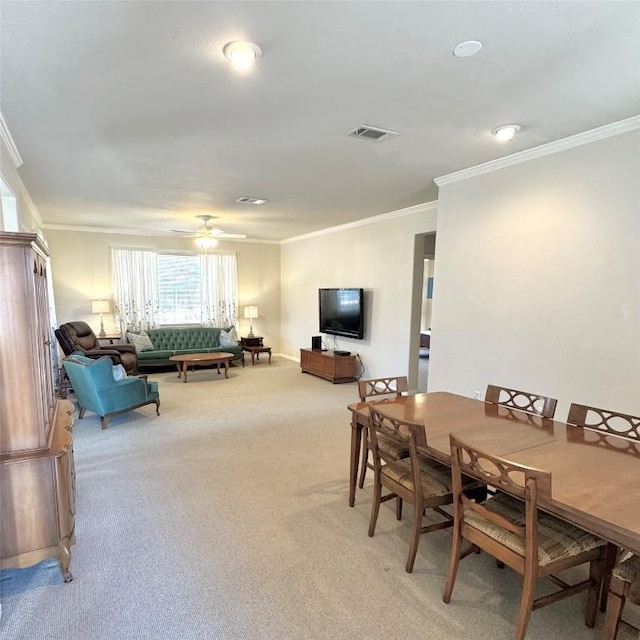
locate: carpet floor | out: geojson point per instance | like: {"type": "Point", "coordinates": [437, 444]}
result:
{"type": "Point", "coordinates": [226, 518]}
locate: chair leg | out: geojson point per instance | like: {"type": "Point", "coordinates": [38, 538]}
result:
{"type": "Point", "coordinates": [416, 533]}
{"type": "Point", "coordinates": [526, 604]}
{"type": "Point", "coordinates": [610, 562]}
{"type": "Point", "coordinates": [157, 407]}
{"type": "Point", "coordinates": [615, 605]}
{"type": "Point", "coordinates": [399, 508]}
{"type": "Point", "coordinates": [596, 568]}
{"type": "Point", "coordinates": [454, 562]}
{"type": "Point", "coordinates": [81, 413]}
{"type": "Point", "coordinates": [375, 505]}
{"type": "Point", "coordinates": [365, 457]}
{"type": "Point", "coordinates": [105, 421]}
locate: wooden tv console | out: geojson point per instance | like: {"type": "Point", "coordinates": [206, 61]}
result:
{"type": "Point", "coordinates": [325, 364]}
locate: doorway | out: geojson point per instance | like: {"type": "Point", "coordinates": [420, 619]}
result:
{"type": "Point", "coordinates": [423, 287]}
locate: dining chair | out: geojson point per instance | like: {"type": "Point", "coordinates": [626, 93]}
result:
{"type": "Point", "coordinates": [611, 422]}
{"type": "Point", "coordinates": [624, 587]}
{"type": "Point", "coordinates": [509, 527]}
{"type": "Point", "coordinates": [418, 479]}
{"type": "Point", "coordinates": [522, 400]}
{"type": "Point", "coordinates": [380, 388]}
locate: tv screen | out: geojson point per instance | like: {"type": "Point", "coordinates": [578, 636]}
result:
{"type": "Point", "coordinates": [342, 312]}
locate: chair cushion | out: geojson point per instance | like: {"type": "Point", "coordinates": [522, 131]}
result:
{"type": "Point", "coordinates": [629, 570]}
{"type": "Point", "coordinates": [391, 448]}
{"type": "Point", "coordinates": [557, 539]}
{"type": "Point", "coordinates": [436, 478]}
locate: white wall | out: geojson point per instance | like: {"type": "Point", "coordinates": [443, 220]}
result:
{"type": "Point", "coordinates": [82, 272]}
{"type": "Point", "coordinates": [538, 278]}
{"type": "Point", "coordinates": [379, 257]}
{"type": "Point", "coordinates": [28, 218]}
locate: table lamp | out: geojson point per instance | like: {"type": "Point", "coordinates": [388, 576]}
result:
{"type": "Point", "coordinates": [101, 307]}
{"type": "Point", "coordinates": [251, 313]}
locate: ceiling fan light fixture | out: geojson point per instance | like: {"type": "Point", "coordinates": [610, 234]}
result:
{"type": "Point", "coordinates": [206, 242]}
{"type": "Point", "coordinates": [505, 132]}
{"type": "Point", "coordinates": [242, 54]}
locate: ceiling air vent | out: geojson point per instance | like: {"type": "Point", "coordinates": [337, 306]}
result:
{"type": "Point", "coordinates": [367, 132]}
{"type": "Point", "coordinates": [250, 200]}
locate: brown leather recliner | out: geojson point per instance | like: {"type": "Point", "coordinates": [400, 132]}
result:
{"type": "Point", "coordinates": [78, 336]}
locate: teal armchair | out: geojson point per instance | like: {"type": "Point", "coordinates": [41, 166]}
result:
{"type": "Point", "coordinates": [97, 390]}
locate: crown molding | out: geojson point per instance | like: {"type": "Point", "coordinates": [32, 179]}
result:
{"type": "Point", "coordinates": [7, 139]}
{"type": "Point", "coordinates": [142, 232]}
{"type": "Point", "coordinates": [399, 213]}
{"type": "Point", "coordinates": [606, 131]}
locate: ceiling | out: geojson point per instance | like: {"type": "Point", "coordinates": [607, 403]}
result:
{"type": "Point", "coordinates": [128, 116]}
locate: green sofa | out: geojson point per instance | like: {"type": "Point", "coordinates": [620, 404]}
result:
{"type": "Point", "coordinates": [177, 341]}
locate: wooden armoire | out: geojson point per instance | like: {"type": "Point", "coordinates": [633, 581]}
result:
{"type": "Point", "coordinates": [37, 478]}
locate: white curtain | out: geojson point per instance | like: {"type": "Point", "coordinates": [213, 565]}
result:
{"type": "Point", "coordinates": [219, 290]}
{"type": "Point", "coordinates": [135, 284]}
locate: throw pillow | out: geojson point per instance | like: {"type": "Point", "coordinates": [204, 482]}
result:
{"type": "Point", "coordinates": [141, 341]}
{"type": "Point", "coordinates": [228, 338]}
{"type": "Point", "coordinates": [119, 372]}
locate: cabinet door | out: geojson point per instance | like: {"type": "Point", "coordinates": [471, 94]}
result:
{"type": "Point", "coordinates": [26, 373]}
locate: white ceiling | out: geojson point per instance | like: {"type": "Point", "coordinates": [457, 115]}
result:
{"type": "Point", "coordinates": [127, 114]}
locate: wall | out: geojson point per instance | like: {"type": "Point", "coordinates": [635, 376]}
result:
{"type": "Point", "coordinates": [538, 278]}
{"type": "Point", "coordinates": [378, 256]}
{"type": "Point", "coordinates": [81, 272]}
{"type": "Point", "coordinates": [28, 217]}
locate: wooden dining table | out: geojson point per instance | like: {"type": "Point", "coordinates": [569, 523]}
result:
{"type": "Point", "coordinates": [595, 477]}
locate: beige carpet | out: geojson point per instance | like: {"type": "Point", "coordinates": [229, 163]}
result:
{"type": "Point", "coordinates": [227, 517]}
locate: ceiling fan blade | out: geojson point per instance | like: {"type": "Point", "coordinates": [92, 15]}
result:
{"type": "Point", "coordinates": [230, 235]}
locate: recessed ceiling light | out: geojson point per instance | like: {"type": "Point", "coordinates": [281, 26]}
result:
{"type": "Point", "coordinates": [251, 200]}
{"type": "Point", "coordinates": [505, 132]}
{"type": "Point", "coordinates": [467, 49]}
{"type": "Point", "coordinates": [242, 54]}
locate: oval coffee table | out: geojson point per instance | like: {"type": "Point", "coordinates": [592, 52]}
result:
{"type": "Point", "coordinates": [186, 359]}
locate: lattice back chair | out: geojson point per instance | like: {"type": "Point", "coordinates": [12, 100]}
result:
{"type": "Point", "coordinates": [418, 479]}
{"type": "Point", "coordinates": [522, 400]}
{"type": "Point", "coordinates": [624, 587]}
{"type": "Point", "coordinates": [606, 422]}
{"type": "Point", "coordinates": [512, 530]}
{"type": "Point", "coordinates": [612, 422]}
{"type": "Point", "coordinates": [379, 388]}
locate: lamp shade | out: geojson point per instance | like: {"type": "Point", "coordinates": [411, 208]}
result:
{"type": "Point", "coordinates": [100, 306]}
{"type": "Point", "coordinates": [251, 312]}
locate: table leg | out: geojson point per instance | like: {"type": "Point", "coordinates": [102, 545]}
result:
{"type": "Point", "coordinates": [269, 356]}
{"type": "Point", "coordinates": [179, 368]}
{"type": "Point", "coordinates": [226, 369]}
{"type": "Point", "coordinates": [184, 370]}
{"type": "Point", "coordinates": [253, 355]}
{"type": "Point", "coordinates": [356, 440]}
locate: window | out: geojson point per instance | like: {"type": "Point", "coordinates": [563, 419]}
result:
{"type": "Point", "coordinates": [179, 289]}
{"type": "Point", "coordinates": [153, 289]}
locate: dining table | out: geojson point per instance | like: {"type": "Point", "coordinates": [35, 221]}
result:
{"type": "Point", "coordinates": [595, 476]}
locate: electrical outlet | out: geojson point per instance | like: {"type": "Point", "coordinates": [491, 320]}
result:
{"type": "Point", "coordinates": [477, 395]}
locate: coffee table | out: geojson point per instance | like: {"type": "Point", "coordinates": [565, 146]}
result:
{"type": "Point", "coordinates": [186, 359]}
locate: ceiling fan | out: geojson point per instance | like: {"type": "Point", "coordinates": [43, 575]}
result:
{"type": "Point", "coordinates": [207, 237]}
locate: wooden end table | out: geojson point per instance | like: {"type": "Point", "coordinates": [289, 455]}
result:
{"type": "Point", "coordinates": [255, 347]}
{"type": "Point", "coordinates": [186, 359]}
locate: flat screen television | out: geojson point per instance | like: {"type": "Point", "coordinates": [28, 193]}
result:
{"type": "Point", "coordinates": [342, 312]}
